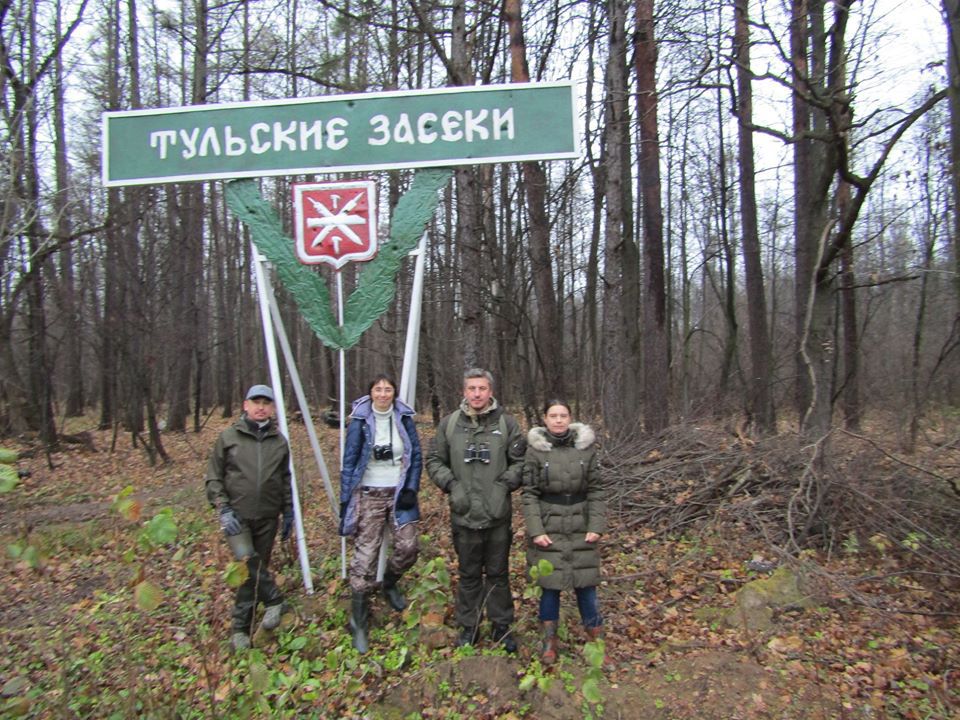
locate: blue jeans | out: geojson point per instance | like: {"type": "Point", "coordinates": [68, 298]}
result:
{"type": "Point", "coordinates": [586, 602]}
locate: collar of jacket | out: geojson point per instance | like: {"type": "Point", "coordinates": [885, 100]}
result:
{"type": "Point", "coordinates": [582, 434]}
{"type": "Point", "coordinates": [244, 426]}
{"type": "Point", "coordinates": [483, 414]}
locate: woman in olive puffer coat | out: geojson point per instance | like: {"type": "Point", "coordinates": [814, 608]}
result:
{"type": "Point", "coordinates": [565, 516]}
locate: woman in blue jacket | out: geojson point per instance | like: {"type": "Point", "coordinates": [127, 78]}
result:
{"type": "Point", "coordinates": [379, 482]}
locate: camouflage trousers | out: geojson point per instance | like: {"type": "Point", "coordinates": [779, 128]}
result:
{"type": "Point", "coordinates": [374, 513]}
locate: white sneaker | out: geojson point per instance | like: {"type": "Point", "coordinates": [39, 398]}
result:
{"type": "Point", "coordinates": [271, 617]}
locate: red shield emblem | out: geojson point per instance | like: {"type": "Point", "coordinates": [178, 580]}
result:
{"type": "Point", "coordinates": [335, 222]}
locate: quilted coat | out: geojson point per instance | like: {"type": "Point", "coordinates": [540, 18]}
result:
{"type": "Point", "coordinates": [562, 498]}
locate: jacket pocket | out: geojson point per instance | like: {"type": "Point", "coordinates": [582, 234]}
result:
{"type": "Point", "coordinates": [499, 500]}
{"type": "Point", "coordinates": [459, 501]}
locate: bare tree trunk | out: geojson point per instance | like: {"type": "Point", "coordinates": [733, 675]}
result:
{"type": "Point", "coordinates": [549, 318]}
{"type": "Point", "coordinates": [951, 11]}
{"type": "Point", "coordinates": [850, 387]}
{"type": "Point", "coordinates": [612, 345]}
{"type": "Point", "coordinates": [469, 232]}
{"type": "Point", "coordinates": [38, 408]}
{"type": "Point", "coordinates": [760, 399]}
{"type": "Point", "coordinates": [812, 177]}
{"type": "Point", "coordinates": [729, 275]}
{"type": "Point", "coordinates": [930, 231]}
{"type": "Point", "coordinates": [67, 295]}
{"type": "Point", "coordinates": [186, 317]}
{"type": "Point", "coordinates": [656, 379]}
{"type": "Point", "coordinates": [598, 176]}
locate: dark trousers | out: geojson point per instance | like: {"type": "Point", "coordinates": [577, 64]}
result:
{"type": "Point", "coordinates": [484, 557]}
{"type": "Point", "coordinates": [259, 585]}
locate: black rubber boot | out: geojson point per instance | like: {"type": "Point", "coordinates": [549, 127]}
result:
{"type": "Point", "coordinates": [467, 636]}
{"type": "Point", "coordinates": [392, 593]}
{"type": "Point", "coordinates": [502, 635]}
{"type": "Point", "coordinates": [359, 614]}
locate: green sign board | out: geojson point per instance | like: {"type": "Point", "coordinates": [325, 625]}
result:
{"type": "Point", "coordinates": [340, 133]}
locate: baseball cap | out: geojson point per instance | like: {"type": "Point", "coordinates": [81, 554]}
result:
{"type": "Point", "coordinates": [263, 391]}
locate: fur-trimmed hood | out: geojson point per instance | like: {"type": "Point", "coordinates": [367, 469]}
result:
{"type": "Point", "coordinates": [583, 437]}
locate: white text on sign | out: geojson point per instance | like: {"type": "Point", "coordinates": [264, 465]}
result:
{"type": "Point", "coordinates": [426, 128]}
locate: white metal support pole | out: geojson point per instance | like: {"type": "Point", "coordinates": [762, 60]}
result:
{"type": "Point", "coordinates": [268, 336]}
{"type": "Point", "coordinates": [411, 349]}
{"type": "Point", "coordinates": [342, 411]}
{"type": "Point", "coordinates": [301, 399]}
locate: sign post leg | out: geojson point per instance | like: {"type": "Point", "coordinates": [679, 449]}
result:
{"type": "Point", "coordinates": [342, 411]}
{"type": "Point", "coordinates": [263, 294]}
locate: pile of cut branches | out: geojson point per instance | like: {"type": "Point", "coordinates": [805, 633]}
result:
{"type": "Point", "coordinates": [845, 492]}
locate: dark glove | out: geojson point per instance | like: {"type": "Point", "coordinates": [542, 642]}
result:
{"type": "Point", "coordinates": [343, 509]}
{"type": "Point", "coordinates": [229, 522]}
{"type": "Point", "coordinates": [287, 524]}
{"type": "Point", "coordinates": [407, 499]}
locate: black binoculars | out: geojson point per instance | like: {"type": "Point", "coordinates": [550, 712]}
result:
{"type": "Point", "coordinates": [383, 452]}
{"type": "Point", "coordinates": [477, 453]}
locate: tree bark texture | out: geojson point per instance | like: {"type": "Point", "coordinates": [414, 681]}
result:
{"type": "Point", "coordinates": [656, 377]}
{"type": "Point", "coordinates": [549, 317]}
{"type": "Point", "coordinates": [760, 399]}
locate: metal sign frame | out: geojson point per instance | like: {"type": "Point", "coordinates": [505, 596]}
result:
{"type": "Point", "coordinates": [440, 127]}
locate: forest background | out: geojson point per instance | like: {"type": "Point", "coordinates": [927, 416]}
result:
{"type": "Point", "coordinates": [760, 238]}
{"type": "Point", "coordinates": [673, 271]}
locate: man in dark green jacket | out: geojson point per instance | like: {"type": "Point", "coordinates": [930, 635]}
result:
{"type": "Point", "coordinates": [477, 460]}
{"type": "Point", "coordinates": [248, 483]}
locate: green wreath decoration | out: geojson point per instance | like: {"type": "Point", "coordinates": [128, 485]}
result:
{"type": "Point", "coordinates": [376, 284]}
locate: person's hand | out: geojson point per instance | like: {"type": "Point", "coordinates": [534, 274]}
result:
{"type": "Point", "coordinates": [287, 523]}
{"type": "Point", "coordinates": [407, 499]}
{"type": "Point", "coordinates": [592, 537]}
{"type": "Point", "coordinates": [229, 522]}
{"type": "Point", "coordinates": [343, 509]}
{"type": "Point", "coordinates": [542, 541]}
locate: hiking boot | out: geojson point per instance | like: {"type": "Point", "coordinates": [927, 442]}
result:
{"type": "Point", "coordinates": [392, 593]}
{"type": "Point", "coordinates": [548, 652]}
{"type": "Point", "coordinates": [466, 637]}
{"type": "Point", "coordinates": [502, 634]}
{"type": "Point", "coordinates": [240, 642]}
{"type": "Point", "coordinates": [359, 614]}
{"type": "Point", "coordinates": [271, 617]}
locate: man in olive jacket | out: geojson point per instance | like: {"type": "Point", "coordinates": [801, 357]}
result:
{"type": "Point", "coordinates": [248, 484]}
{"type": "Point", "coordinates": [477, 460]}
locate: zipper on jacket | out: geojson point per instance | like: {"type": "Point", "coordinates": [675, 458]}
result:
{"type": "Point", "coordinates": [259, 469]}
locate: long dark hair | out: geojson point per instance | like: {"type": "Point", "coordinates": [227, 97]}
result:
{"type": "Point", "coordinates": [382, 378]}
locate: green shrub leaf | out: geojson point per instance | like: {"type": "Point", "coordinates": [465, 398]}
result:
{"type": "Point", "coordinates": [236, 574]}
{"type": "Point", "coordinates": [8, 478]}
{"type": "Point", "coordinates": [591, 691]}
{"type": "Point", "coordinates": [147, 596]}
{"type": "Point", "coordinates": [161, 529]}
